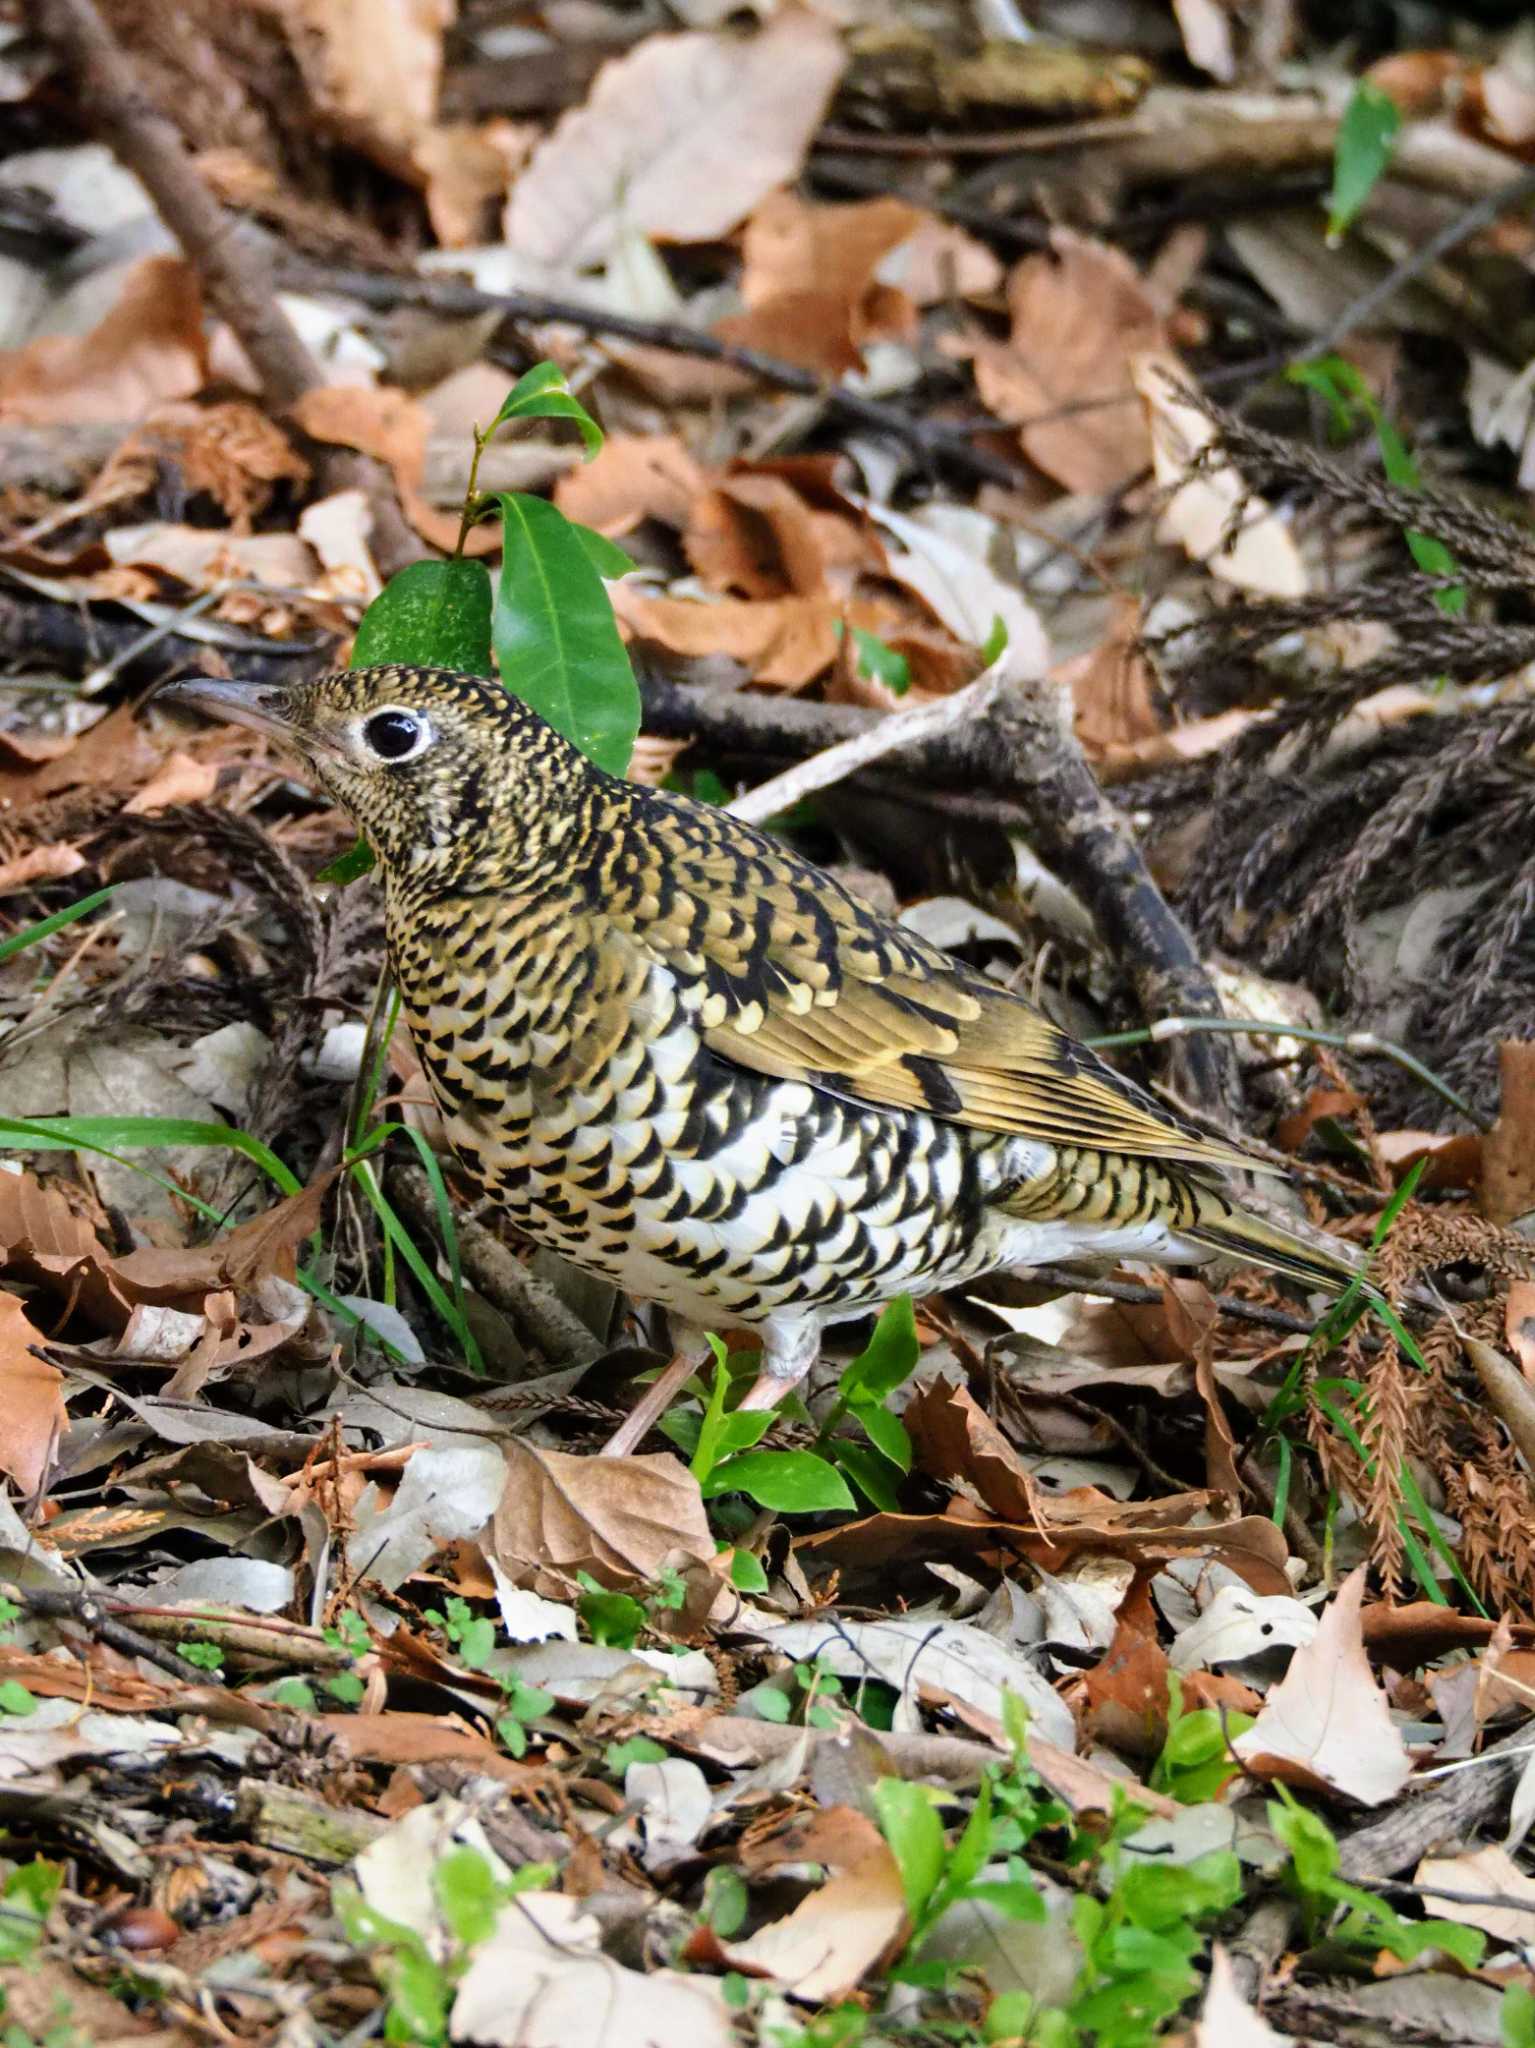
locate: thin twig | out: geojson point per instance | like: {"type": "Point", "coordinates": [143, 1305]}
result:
{"type": "Point", "coordinates": [907, 728]}
{"type": "Point", "coordinates": [927, 437]}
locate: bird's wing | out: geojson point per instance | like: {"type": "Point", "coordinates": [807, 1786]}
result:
{"type": "Point", "coordinates": [802, 981]}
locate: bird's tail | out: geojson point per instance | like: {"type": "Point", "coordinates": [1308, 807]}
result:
{"type": "Point", "coordinates": [1221, 1226]}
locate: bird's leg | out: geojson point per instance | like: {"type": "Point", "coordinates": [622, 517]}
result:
{"type": "Point", "coordinates": [787, 1355]}
{"type": "Point", "coordinates": [692, 1351]}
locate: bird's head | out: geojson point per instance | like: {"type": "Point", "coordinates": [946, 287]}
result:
{"type": "Point", "coordinates": [449, 776]}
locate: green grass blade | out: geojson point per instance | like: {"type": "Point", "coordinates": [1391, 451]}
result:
{"type": "Point", "coordinates": [45, 927]}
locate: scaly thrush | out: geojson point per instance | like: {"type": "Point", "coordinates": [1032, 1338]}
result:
{"type": "Point", "coordinates": [693, 1063]}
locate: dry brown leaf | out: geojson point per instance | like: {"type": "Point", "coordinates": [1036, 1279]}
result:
{"type": "Point", "coordinates": [230, 450]}
{"type": "Point", "coordinates": [632, 477]}
{"type": "Point", "coordinates": [1519, 1324]}
{"type": "Point", "coordinates": [1326, 1724]}
{"type": "Point", "coordinates": [373, 68]}
{"type": "Point", "coordinates": [405, 1738]}
{"type": "Point", "coordinates": [149, 348]}
{"type": "Point", "coordinates": [938, 261]}
{"type": "Point", "coordinates": [178, 780]}
{"type": "Point", "coordinates": [679, 139]}
{"type": "Point", "coordinates": [619, 1518]}
{"type": "Point", "coordinates": [844, 1928]}
{"type": "Point", "coordinates": [42, 1240]}
{"type": "Point", "coordinates": [755, 536]}
{"type": "Point", "coordinates": [1113, 692]}
{"type": "Point", "coordinates": [809, 282]}
{"type": "Point", "coordinates": [115, 753]}
{"type": "Point", "coordinates": [40, 864]}
{"type": "Point", "coordinates": [395, 429]}
{"type": "Point", "coordinates": [1226, 2020]}
{"type": "Point", "coordinates": [1063, 378]}
{"type": "Point", "coordinates": [1127, 1693]}
{"type": "Point", "coordinates": [1508, 1149]}
{"type": "Point", "coordinates": [786, 641]}
{"type": "Point", "coordinates": [1484, 1870]}
{"type": "Point", "coordinates": [238, 1259]}
{"type": "Point", "coordinates": [31, 1398]}
{"type": "Point", "coordinates": [1211, 514]}
{"type": "Point", "coordinates": [202, 558]}
{"type": "Point", "coordinates": [953, 1437]}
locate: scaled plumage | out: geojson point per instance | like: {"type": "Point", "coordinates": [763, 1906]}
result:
{"type": "Point", "coordinates": [692, 1062]}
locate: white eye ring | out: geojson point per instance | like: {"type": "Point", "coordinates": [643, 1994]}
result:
{"type": "Point", "coordinates": [395, 734]}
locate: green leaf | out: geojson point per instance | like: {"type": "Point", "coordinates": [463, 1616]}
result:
{"type": "Point", "coordinates": [885, 1431]}
{"type": "Point", "coordinates": [346, 1687]}
{"type": "Point", "coordinates": [543, 394]}
{"type": "Point", "coordinates": [45, 927]}
{"type": "Point", "coordinates": [418, 1994]}
{"type": "Point", "coordinates": [889, 1357]}
{"type": "Point", "coordinates": [358, 860]}
{"type": "Point", "coordinates": [746, 1572]}
{"type": "Point", "coordinates": [885, 664]}
{"type": "Point", "coordinates": [1019, 1900]}
{"type": "Point", "coordinates": [873, 1475]}
{"type": "Point", "coordinates": [296, 1693]}
{"type": "Point", "coordinates": [639, 1749]}
{"type": "Point", "coordinates": [431, 615]}
{"type": "Point", "coordinates": [1516, 2017]}
{"type": "Point", "coordinates": [15, 1698]}
{"type": "Point", "coordinates": [113, 1134]}
{"type": "Point", "coordinates": [612, 1619]}
{"type": "Point", "coordinates": [911, 1826]}
{"type": "Point", "coordinates": [605, 556]}
{"type": "Point", "coordinates": [995, 645]}
{"type": "Point", "coordinates": [791, 1482]}
{"type": "Point", "coordinates": [1366, 136]}
{"type": "Point", "coordinates": [465, 1888]}
{"type": "Point", "coordinates": [555, 639]}
{"type": "Point", "coordinates": [726, 1901]}
{"type": "Point", "coordinates": [771, 1704]}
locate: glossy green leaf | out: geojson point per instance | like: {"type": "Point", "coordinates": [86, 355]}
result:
{"type": "Point", "coordinates": [555, 638]}
{"type": "Point", "coordinates": [889, 1357]}
{"type": "Point", "coordinates": [432, 615]}
{"type": "Point", "coordinates": [790, 1482]}
{"type": "Point", "coordinates": [605, 556]}
{"type": "Point", "coordinates": [746, 1573]}
{"type": "Point", "coordinates": [873, 1475]}
{"type": "Point", "coordinates": [885, 1431]}
{"type": "Point", "coordinates": [1366, 136]}
{"type": "Point", "coordinates": [911, 1826]}
{"type": "Point", "coordinates": [543, 394]}
{"type": "Point", "coordinates": [885, 664]}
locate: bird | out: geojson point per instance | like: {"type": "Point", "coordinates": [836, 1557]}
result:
{"type": "Point", "coordinates": [695, 1064]}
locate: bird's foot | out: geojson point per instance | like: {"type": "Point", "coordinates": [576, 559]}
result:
{"type": "Point", "coordinates": [785, 1361]}
{"type": "Point", "coordinates": [652, 1405]}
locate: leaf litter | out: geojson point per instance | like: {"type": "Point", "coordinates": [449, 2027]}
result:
{"type": "Point", "coordinates": [343, 1689]}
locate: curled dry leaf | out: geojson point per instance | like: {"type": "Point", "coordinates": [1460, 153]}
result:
{"type": "Point", "coordinates": [1080, 315]}
{"type": "Point", "coordinates": [1489, 1869]}
{"type": "Point", "coordinates": [1508, 1149]}
{"type": "Point", "coordinates": [1326, 1724]}
{"type": "Point", "coordinates": [632, 477]}
{"type": "Point", "coordinates": [621, 1519]}
{"type": "Point", "coordinates": [179, 780]}
{"type": "Point", "coordinates": [39, 864]}
{"type": "Point", "coordinates": [1226, 2020]}
{"type": "Point", "coordinates": [1211, 514]}
{"type": "Point", "coordinates": [540, 1980]}
{"type": "Point", "coordinates": [678, 139]}
{"type": "Point", "coordinates": [203, 558]}
{"type": "Point", "coordinates": [31, 1398]}
{"type": "Point", "coordinates": [811, 285]}
{"type": "Point", "coordinates": [149, 348]}
{"type": "Point", "coordinates": [786, 641]}
{"type": "Point", "coordinates": [845, 1927]}
{"type": "Point", "coordinates": [395, 429]}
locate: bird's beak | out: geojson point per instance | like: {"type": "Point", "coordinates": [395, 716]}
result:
{"type": "Point", "coordinates": [257, 705]}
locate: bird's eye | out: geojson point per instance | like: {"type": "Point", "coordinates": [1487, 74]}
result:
{"type": "Point", "coordinates": [396, 735]}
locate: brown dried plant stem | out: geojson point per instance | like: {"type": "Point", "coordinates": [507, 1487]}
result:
{"type": "Point", "coordinates": [232, 263]}
{"type": "Point", "coordinates": [1014, 751]}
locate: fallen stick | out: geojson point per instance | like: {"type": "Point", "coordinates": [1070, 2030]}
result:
{"type": "Point", "coordinates": [232, 263]}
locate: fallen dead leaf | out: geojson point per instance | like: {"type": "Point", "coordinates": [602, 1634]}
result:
{"type": "Point", "coordinates": [202, 557]}
{"type": "Point", "coordinates": [1226, 2020]}
{"type": "Point", "coordinates": [1113, 692]}
{"type": "Point", "coordinates": [39, 864]}
{"type": "Point", "coordinates": [179, 780]}
{"type": "Point", "coordinates": [338, 529]}
{"type": "Point", "coordinates": [786, 642]}
{"type": "Point", "coordinates": [631, 478]}
{"type": "Point", "coordinates": [31, 1396]}
{"type": "Point", "coordinates": [755, 536]}
{"type": "Point", "coordinates": [1326, 1724]}
{"type": "Point", "coordinates": [540, 1980]}
{"type": "Point", "coordinates": [843, 1929]}
{"type": "Point", "coordinates": [619, 1518]}
{"type": "Point", "coordinates": [810, 280]}
{"type": "Point", "coordinates": [679, 139]}
{"type": "Point", "coordinates": [1211, 514]}
{"type": "Point", "coordinates": [395, 429]}
{"type": "Point", "coordinates": [147, 349]}
{"type": "Point", "coordinates": [1487, 1869]}
{"type": "Point", "coordinates": [1079, 317]}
